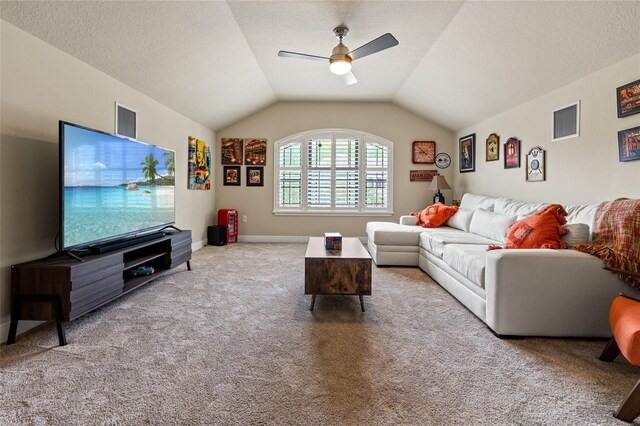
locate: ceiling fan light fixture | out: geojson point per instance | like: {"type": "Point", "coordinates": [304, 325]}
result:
{"type": "Point", "coordinates": [341, 56]}
{"type": "Point", "coordinates": [340, 61]}
{"type": "Point", "coordinates": [340, 66]}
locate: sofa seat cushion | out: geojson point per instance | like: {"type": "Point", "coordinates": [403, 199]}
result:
{"type": "Point", "coordinates": [434, 242]}
{"type": "Point", "coordinates": [467, 259]}
{"type": "Point", "coordinates": [394, 234]}
{"type": "Point", "coordinates": [386, 248]}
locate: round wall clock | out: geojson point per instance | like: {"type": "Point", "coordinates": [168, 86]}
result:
{"type": "Point", "coordinates": [443, 160]}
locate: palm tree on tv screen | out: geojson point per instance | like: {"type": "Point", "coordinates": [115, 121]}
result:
{"type": "Point", "coordinates": [169, 163]}
{"type": "Point", "coordinates": [149, 168]}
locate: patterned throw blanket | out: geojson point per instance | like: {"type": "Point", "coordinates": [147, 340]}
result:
{"type": "Point", "coordinates": [616, 238]}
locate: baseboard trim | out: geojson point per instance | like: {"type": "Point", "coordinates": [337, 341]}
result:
{"type": "Point", "coordinates": [273, 239]}
{"type": "Point", "coordinates": [22, 327]}
{"type": "Point", "coordinates": [281, 239]}
{"type": "Point", "coordinates": [197, 245]}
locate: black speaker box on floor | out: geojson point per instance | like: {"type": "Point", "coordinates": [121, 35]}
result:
{"type": "Point", "coordinates": [217, 235]}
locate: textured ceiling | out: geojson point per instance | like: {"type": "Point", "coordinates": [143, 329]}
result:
{"type": "Point", "coordinates": [457, 62]}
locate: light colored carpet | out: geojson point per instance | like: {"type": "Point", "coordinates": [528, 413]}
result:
{"type": "Point", "coordinates": [234, 342]}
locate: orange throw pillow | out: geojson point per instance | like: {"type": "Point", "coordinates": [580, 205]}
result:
{"type": "Point", "coordinates": [540, 230]}
{"type": "Point", "coordinates": [435, 215]}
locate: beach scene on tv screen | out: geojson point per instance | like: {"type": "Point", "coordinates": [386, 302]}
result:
{"type": "Point", "coordinates": [114, 186]}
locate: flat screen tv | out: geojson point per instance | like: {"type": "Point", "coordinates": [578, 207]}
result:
{"type": "Point", "coordinates": [111, 187]}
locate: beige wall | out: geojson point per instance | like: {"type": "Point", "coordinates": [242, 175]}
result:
{"type": "Point", "coordinates": [41, 85]}
{"type": "Point", "coordinates": [286, 118]}
{"type": "Point", "coordinates": [580, 170]}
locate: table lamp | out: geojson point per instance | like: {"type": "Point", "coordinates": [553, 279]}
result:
{"type": "Point", "coordinates": [438, 183]}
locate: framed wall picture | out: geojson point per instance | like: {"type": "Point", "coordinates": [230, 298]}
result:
{"type": "Point", "coordinates": [628, 99]}
{"type": "Point", "coordinates": [629, 144]}
{"type": "Point", "coordinates": [231, 175]}
{"type": "Point", "coordinates": [512, 154]}
{"type": "Point", "coordinates": [423, 152]}
{"type": "Point", "coordinates": [255, 176]}
{"type": "Point", "coordinates": [535, 165]}
{"type": "Point", "coordinates": [493, 147]}
{"type": "Point", "coordinates": [566, 122]}
{"type": "Point", "coordinates": [467, 153]}
{"type": "Point", "coordinates": [255, 152]}
{"type": "Point", "coordinates": [231, 151]}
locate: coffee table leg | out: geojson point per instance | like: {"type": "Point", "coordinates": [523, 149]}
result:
{"type": "Point", "coordinates": [313, 301]}
{"type": "Point", "coordinates": [361, 302]}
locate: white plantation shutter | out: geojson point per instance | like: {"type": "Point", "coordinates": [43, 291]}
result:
{"type": "Point", "coordinates": [319, 179]}
{"type": "Point", "coordinates": [333, 172]}
{"type": "Point", "coordinates": [290, 175]}
{"type": "Point", "coordinates": [377, 176]}
{"type": "Point", "coordinates": [347, 172]}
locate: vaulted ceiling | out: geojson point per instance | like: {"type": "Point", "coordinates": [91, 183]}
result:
{"type": "Point", "coordinates": [458, 62]}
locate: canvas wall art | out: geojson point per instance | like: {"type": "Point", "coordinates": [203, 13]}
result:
{"type": "Point", "coordinates": [231, 151]}
{"type": "Point", "coordinates": [199, 165]}
{"type": "Point", "coordinates": [255, 152]}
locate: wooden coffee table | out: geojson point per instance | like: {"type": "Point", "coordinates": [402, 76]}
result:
{"type": "Point", "coordinates": [347, 272]}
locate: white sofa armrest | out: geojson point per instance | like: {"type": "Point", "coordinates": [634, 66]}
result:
{"type": "Point", "coordinates": [530, 292]}
{"type": "Point", "coordinates": [408, 220]}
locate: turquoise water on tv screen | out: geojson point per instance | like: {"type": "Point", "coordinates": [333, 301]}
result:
{"type": "Point", "coordinates": [96, 213]}
{"type": "Point", "coordinates": [113, 186]}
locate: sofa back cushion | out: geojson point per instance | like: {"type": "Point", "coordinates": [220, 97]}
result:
{"type": "Point", "coordinates": [474, 202]}
{"type": "Point", "coordinates": [491, 225]}
{"type": "Point", "coordinates": [577, 233]}
{"type": "Point", "coordinates": [519, 208]}
{"type": "Point", "coordinates": [582, 214]}
{"type": "Point", "coordinates": [461, 220]}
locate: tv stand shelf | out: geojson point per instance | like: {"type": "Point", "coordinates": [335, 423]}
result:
{"type": "Point", "coordinates": [41, 288]}
{"type": "Point", "coordinates": [141, 260]}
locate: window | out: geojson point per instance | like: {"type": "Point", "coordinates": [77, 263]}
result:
{"type": "Point", "coordinates": [341, 172]}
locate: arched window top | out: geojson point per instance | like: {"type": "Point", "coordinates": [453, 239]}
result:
{"type": "Point", "coordinates": [333, 171]}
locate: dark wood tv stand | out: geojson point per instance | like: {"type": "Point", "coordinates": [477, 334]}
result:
{"type": "Point", "coordinates": [64, 289]}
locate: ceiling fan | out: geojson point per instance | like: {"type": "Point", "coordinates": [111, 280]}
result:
{"type": "Point", "coordinates": [341, 57]}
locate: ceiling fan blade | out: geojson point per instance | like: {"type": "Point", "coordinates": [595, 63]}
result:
{"type": "Point", "coordinates": [286, 54]}
{"type": "Point", "coordinates": [383, 42]}
{"type": "Point", "coordinates": [349, 78]}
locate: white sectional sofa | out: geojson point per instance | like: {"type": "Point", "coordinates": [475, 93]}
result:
{"type": "Point", "coordinates": [518, 292]}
